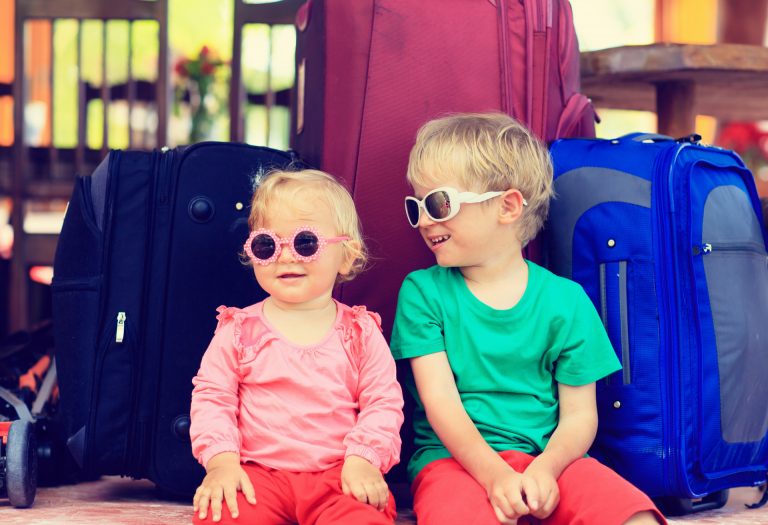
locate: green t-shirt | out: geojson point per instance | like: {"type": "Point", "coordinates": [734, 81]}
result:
{"type": "Point", "coordinates": [506, 363]}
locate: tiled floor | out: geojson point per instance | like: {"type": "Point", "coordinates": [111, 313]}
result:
{"type": "Point", "coordinates": [116, 501]}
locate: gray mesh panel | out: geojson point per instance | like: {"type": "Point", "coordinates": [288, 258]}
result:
{"type": "Point", "coordinates": [737, 279]}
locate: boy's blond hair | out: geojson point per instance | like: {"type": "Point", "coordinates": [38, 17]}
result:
{"type": "Point", "coordinates": [486, 152]}
{"type": "Point", "coordinates": [284, 186]}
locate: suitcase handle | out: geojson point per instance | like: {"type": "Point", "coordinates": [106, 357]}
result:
{"type": "Point", "coordinates": [693, 138]}
{"type": "Point", "coordinates": [647, 137]}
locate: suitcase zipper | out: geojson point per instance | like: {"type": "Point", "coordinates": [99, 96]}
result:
{"type": "Point", "coordinates": [134, 459]}
{"type": "Point", "coordinates": [507, 98]}
{"type": "Point", "coordinates": [537, 66]}
{"type": "Point", "coordinates": [666, 263]}
{"type": "Point", "coordinates": [166, 158]}
{"type": "Point", "coordinates": [734, 247]}
{"type": "Point", "coordinates": [120, 330]}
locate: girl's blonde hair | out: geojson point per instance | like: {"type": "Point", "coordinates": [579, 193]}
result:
{"type": "Point", "coordinates": [284, 186]}
{"type": "Point", "coordinates": [486, 152]}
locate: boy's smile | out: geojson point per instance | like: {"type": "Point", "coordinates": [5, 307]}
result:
{"type": "Point", "coordinates": [437, 240]}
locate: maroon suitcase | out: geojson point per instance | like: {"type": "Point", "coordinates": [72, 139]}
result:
{"type": "Point", "coordinates": [371, 72]}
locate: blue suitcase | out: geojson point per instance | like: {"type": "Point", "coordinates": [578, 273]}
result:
{"type": "Point", "coordinates": [148, 250]}
{"type": "Point", "coordinates": [667, 239]}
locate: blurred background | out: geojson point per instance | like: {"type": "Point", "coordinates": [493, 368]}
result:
{"type": "Point", "coordinates": [143, 74]}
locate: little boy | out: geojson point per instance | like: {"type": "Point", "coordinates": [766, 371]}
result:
{"type": "Point", "coordinates": [504, 354]}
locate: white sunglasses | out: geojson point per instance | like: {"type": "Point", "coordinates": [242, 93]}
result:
{"type": "Point", "coordinates": [442, 204]}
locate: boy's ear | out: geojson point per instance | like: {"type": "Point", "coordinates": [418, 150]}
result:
{"type": "Point", "coordinates": [511, 206]}
{"type": "Point", "coordinates": [351, 249]}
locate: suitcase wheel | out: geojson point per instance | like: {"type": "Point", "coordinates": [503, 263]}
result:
{"type": "Point", "coordinates": [21, 464]}
{"type": "Point", "coordinates": [682, 506]}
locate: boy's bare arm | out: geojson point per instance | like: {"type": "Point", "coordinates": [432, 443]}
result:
{"type": "Point", "coordinates": [450, 421]}
{"type": "Point", "coordinates": [446, 414]}
{"type": "Point", "coordinates": [575, 430]}
{"type": "Point", "coordinates": [574, 434]}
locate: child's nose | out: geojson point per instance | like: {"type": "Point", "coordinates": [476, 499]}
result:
{"type": "Point", "coordinates": [286, 254]}
{"type": "Point", "coordinates": [425, 220]}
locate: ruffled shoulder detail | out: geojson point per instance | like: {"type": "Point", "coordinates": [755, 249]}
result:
{"type": "Point", "coordinates": [366, 319]}
{"type": "Point", "coordinates": [226, 315]}
{"type": "Point", "coordinates": [249, 334]}
{"type": "Point", "coordinates": [357, 324]}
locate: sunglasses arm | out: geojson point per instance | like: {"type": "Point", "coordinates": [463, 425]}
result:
{"type": "Point", "coordinates": [471, 197]}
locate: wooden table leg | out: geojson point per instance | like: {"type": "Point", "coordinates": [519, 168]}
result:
{"type": "Point", "coordinates": [675, 108]}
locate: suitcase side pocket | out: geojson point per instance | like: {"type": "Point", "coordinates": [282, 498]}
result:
{"type": "Point", "coordinates": [76, 290]}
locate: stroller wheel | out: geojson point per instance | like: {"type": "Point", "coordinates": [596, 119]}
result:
{"type": "Point", "coordinates": [21, 464]}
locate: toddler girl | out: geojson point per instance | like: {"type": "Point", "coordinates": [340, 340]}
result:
{"type": "Point", "coordinates": [296, 410]}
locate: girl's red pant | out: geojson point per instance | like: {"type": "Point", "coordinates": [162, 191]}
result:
{"type": "Point", "coordinates": [312, 498]}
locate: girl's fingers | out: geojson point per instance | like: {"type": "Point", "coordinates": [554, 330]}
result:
{"type": "Point", "coordinates": [230, 496]}
{"type": "Point", "coordinates": [248, 491]}
{"type": "Point", "coordinates": [374, 498]}
{"type": "Point", "coordinates": [383, 496]}
{"type": "Point", "coordinates": [203, 503]}
{"type": "Point", "coordinates": [345, 488]}
{"type": "Point", "coordinates": [359, 493]}
{"type": "Point", "coordinates": [216, 498]}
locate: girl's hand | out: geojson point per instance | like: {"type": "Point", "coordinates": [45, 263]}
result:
{"type": "Point", "coordinates": [222, 483]}
{"type": "Point", "coordinates": [364, 482]}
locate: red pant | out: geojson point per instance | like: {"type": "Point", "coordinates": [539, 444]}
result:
{"type": "Point", "coordinates": [590, 494]}
{"type": "Point", "coordinates": [301, 497]}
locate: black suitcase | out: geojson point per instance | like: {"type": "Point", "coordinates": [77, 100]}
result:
{"type": "Point", "coordinates": [149, 248]}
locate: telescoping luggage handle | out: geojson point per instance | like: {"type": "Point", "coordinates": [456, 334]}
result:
{"type": "Point", "coordinates": [539, 15]}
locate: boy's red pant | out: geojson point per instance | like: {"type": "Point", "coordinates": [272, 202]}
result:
{"type": "Point", "coordinates": [301, 497]}
{"type": "Point", "coordinates": [590, 494]}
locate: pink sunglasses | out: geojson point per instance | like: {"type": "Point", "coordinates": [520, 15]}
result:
{"type": "Point", "coordinates": [264, 246]}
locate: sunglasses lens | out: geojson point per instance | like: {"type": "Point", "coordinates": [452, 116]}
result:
{"type": "Point", "coordinates": [263, 246]}
{"type": "Point", "coordinates": [412, 211]}
{"type": "Point", "coordinates": [306, 244]}
{"type": "Point", "coordinates": [438, 205]}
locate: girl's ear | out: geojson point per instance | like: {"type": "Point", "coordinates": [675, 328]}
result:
{"type": "Point", "coordinates": [511, 206]}
{"type": "Point", "coordinates": [351, 249]}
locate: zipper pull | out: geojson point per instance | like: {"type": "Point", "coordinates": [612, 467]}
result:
{"type": "Point", "coordinates": [703, 249]}
{"type": "Point", "coordinates": [120, 331]}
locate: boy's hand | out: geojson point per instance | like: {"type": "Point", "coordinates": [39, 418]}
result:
{"type": "Point", "coordinates": [364, 482]}
{"type": "Point", "coordinates": [548, 490]}
{"type": "Point", "coordinates": [222, 483]}
{"type": "Point", "coordinates": [508, 493]}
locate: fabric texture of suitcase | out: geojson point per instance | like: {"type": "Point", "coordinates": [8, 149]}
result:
{"type": "Point", "coordinates": [371, 72]}
{"type": "Point", "coordinates": [148, 251]}
{"type": "Point", "coordinates": [667, 239]}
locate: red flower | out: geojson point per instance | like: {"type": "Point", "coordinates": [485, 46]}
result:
{"type": "Point", "coordinates": [197, 69]}
{"type": "Point", "coordinates": [739, 136]}
{"type": "Point", "coordinates": [181, 67]}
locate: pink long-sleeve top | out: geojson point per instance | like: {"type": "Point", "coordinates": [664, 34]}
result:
{"type": "Point", "coordinates": [297, 408]}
